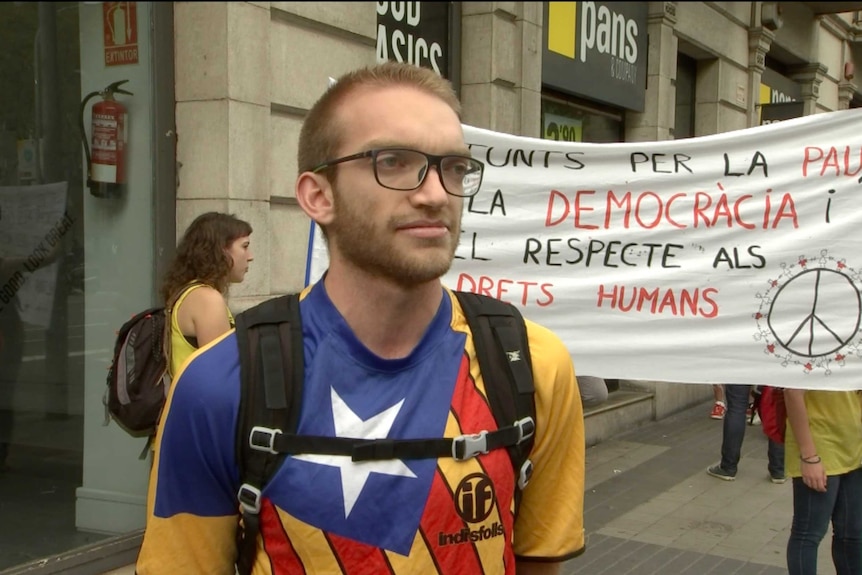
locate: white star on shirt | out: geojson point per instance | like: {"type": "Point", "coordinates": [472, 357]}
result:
{"type": "Point", "coordinates": [354, 474]}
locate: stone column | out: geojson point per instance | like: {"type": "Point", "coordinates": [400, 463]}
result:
{"type": "Point", "coordinates": [810, 76]}
{"type": "Point", "coordinates": [656, 122]}
{"type": "Point", "coordinates": [759, 41]}
{"type": "Point", "coordinates": [846, 89]}
{"type": "Point", "coordinates": [501, 59]}
{"type": "Point", "coordinates": [223, 78]}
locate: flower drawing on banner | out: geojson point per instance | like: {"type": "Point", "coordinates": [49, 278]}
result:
{"type": "Point", "coordinates": [809, 316]}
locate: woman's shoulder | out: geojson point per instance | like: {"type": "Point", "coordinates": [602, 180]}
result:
{"type": "Point", "coordinates": [205, 297]}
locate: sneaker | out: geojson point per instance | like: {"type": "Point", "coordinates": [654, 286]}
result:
{"type": "Point", "coordinates": [717, 471]}
{"type": "Point", "coordinates": [718, 410]}
{"type": "Point", "coordinates": [778, 480]}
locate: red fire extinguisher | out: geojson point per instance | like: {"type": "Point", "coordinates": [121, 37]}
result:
{"type": "Point", "coordinates": [106, 169]}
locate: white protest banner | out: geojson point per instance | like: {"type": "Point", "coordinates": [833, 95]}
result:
{"type": "Point", "coordinates": [732, 258]}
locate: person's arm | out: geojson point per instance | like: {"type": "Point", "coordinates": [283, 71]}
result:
{"type": "Point", "coordinates": [192, 507]}
{"type": "Point", "coordinates": [204, 314]}
{"type": "Point", "coordinates": [549, 528]}
{"type": "Point", "coordinates": [813, 473]}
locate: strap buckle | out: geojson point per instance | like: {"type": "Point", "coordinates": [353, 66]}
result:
{"type": "Point", "coordinates": [249, 498]}
{"type": "Point", "coordinates": [466, 446]}
{"type": "Point", "coordinates": [268, 436]}
{"type": "Point", "coordinates": [526, 428]}
{"type": "Point", "coordinates": [525, 474]}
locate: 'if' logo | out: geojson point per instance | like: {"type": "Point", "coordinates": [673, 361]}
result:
{"type": "Point", "coordinates": [474, 498]}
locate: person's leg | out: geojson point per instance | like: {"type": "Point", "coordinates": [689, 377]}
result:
{"type": "Point", "coordinates": [775, 453]}
{"type": "Point", "coordinates": [733, 432]}
{"type": "Point", "coordinates": [847, 524]}
{"type": "Point", "coordinates": [718, 407]}
{"type": "Point", "coordinates": [594, 390]}
{"type": "Point", "coordinates": [812, 511]}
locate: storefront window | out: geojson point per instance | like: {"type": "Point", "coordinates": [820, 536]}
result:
{"type": "Point", "coordinates": [575, 122]}
{"type": "Point", "coordinates": [75, 262]}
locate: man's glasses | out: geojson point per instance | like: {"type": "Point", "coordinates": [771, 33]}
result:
{"type": "Point", "coordinates": [405, 170]}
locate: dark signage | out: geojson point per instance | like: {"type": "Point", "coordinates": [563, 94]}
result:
{"type": "Point", "coordinates": [771, 113]}
{"type": "Point", "coordinates": [597, 50]}
{"type": "Point", "coordinates": [780, 98]}
{"type": "Point", "coordinates": [414, 32]}
{"type": "Point", "coordinates": [780, 88]}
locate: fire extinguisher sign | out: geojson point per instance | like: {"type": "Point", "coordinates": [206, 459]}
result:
{"type": "Point", "coordinates": [120, 22]}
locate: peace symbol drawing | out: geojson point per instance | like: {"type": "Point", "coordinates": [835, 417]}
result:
{"type": "Point", "coordinates": [809, 316]}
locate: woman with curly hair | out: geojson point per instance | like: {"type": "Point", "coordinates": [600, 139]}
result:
{"type": "Point", "coordinates": [213, 253]}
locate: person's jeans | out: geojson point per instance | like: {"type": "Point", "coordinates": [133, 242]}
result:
{"type": "Point", "coordinates": [737, 398]}
{"type": "Point", "coordinates": [812, 511]}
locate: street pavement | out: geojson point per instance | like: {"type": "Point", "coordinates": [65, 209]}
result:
{"type": "Point", "coordinates": [651, 509]}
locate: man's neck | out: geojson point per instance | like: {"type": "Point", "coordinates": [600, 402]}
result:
{"type": "Point", "coordinates": [388, 318]}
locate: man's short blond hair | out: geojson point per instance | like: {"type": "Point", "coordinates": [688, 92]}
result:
{"type": "Point", "coordinates": [322, 131]}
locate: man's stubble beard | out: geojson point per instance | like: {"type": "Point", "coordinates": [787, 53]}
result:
{"type": "Point", "coordinates": [367, 248]}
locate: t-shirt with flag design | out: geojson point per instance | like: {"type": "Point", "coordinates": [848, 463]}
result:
{"type": "Point", "coordinates": [328, 514]}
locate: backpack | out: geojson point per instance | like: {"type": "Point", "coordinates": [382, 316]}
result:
{"type": "Point", "coordinates": [769, 405]}
{"type": "Point", "coordinates": [138, 377]}
{"type": "Point", "coordinates": [269, 337]}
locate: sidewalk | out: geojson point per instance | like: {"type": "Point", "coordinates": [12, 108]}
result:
{"type": "Point", "coordinates": [651, 509]}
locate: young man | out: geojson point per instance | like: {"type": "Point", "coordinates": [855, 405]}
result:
{"type": "Point", "coordinates": [384, 170]}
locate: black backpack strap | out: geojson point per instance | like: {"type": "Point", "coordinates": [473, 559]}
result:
{"type": "Point", "coordinates": [269, 337]}
{"type": "Point", "coordinates": [459, 448]}
{"type": "Point", "coordinates": [503, 351]}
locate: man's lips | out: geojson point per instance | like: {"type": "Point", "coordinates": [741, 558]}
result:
{"type": "Point", "coordinates": [425, 228]}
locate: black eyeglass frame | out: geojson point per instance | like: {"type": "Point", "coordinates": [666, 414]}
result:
{"type": "Point", "coordinates": [432, 161]}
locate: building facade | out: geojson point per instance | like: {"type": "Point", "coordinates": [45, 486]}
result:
{"type": "Point", "coordinates": [92, 200]}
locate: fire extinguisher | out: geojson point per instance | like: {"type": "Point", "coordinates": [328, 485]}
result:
{"type": "Point", "coordinates": [106, 169]}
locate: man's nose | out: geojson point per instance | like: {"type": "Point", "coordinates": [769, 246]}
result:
{"type": "Point", "coordinates": [432, 191]}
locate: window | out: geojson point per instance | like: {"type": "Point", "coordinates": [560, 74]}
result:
{"type": "Point", "coordinates": [570, 121]}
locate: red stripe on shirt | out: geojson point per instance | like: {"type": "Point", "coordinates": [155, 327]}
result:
{"type": "Point", "coordinates": [282, 555]}
{"type": "Point", "coordinates": [474, 414]}
{"type": "Point", "coordinates": [437, 523]}
{"type": "Point", "coordinates": [358, 558]}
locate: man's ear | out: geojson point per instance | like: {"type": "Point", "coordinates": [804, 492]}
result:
{"type": "Point", "coordinates": [314, 196]}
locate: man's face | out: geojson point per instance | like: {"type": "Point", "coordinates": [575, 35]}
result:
{"type": "Point", "coordinates": [408, 237]}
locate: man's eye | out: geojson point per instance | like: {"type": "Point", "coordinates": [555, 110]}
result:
{"type": "Point", "coordinates": [458, 167]}
{"type": "Point", "coordinates": [389, 161]}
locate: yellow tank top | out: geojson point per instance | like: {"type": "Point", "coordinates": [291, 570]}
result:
{"type": "Point", "coordinates": [183, 346]}
{"type": "Point", "coordinates": [835, 421]}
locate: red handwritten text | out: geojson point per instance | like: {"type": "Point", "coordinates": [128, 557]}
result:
{"type": "Point", "coordinates": [697, 302]}
{"type": "Point", "coordinates": [831, 159]}
{"type": "Point", "coordinates": [649, 210]}
{"type": "Point", "coordinates": [525, 292]}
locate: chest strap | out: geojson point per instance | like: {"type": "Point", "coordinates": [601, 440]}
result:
{"type": "Point", "coordinates": [459, 448]}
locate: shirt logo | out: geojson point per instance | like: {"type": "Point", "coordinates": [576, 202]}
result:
{"type": "Point", "coordinates": [475, 499]}
{"type": "Point", "coordinates": [514, 355]}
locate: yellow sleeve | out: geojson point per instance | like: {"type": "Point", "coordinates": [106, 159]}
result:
{"type": "Point", "coordinates": [550, 523]}
{"type": "Point", "coordinates": [192, 510]}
